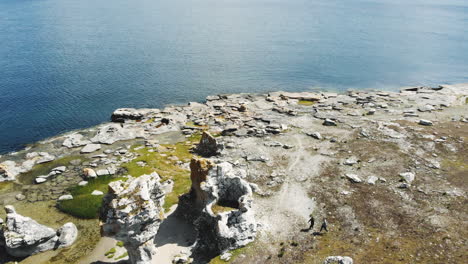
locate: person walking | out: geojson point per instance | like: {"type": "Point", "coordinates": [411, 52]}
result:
{"type": "Point", "coordinates": [324, 225]}
{"type": "Point", "coordinates": [312, 222]}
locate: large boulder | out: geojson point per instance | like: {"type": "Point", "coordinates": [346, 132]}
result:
{"type": "Point", "coordinates": [25, 237]}
{"type": "Point", "coordinates": [132, 213]}
{"type": "Point", "coordinates": [208, 145]}
{"type": "Point", "coordinates": [220, 207]}
{"type": "Point", "coordinates": [122, 114]}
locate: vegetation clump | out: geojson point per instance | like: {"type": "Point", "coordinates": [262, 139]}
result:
{"type": "Point", "coordinates": [84, 205]}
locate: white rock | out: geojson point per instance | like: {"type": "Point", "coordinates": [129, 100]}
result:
{"type": "Point", "coordinates": [338, 260]}
{"type": "Point", "coordinates": [372, 180]}
{"type": "Point", "coordinates": [82, 183]}
{"type": "Point", "coordinates": [89, 173]}
{"type": "Point", "coordinates": [65, 197]}
{"type": "Point", "coordinates": [353, 177]}
{"type": "Point", "coordinates": [40, 180]}
{"type": "Point", "coordinates": [102, 172]}
{"type": "Point", "coordinates": [407, 176]}
{"type": "Point", "coordinates": [60, 169]}
{"type": "Point", "coordinates": [96, 192]}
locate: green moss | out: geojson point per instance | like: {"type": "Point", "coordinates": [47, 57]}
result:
{"type": "Point", "coordinates": [151, 120]}
{"type": "Point", "coordinates": [119, 244]}
{"type": "Point", "coordinates": [45, 168]}
{"type": "Point", "coordinates": [306, 103]}
{"type": "Point", "coordinates": [110, 252]}
{"type": "Point", "coordinates": [122, 256]}
{"type": "Point", "coordinates": [164, 163]}
{"type": "Point", "coordinates": [84, 205]}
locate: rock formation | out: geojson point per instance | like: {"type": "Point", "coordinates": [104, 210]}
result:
{"type": "Point", "coordinates": [132, 212]}
{"type": "Point", "coordinates": [216, 185]}
{"type": "Point", "coordinates": [23, 237]}
{"type": "Point", "coordinates": [208, 145]}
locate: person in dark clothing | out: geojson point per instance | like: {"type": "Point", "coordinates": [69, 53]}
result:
{"type": "Point", "coordinates": [311, 221]}
{"type": "Point", "coordinates": [324, 225]}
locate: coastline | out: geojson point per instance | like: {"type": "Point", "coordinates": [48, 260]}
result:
{"type": "Point", "coordinates": [244, 120]}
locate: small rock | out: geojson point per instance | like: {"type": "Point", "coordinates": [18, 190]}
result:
{"type": "Point", "coordinates": [20, 197]}
{"type": "Point", "coordinates": [82, 183]}
{"type": "Point", "coordinates": [425, 122]}
{"type": "Point", "coordinates": [350, 161]}
{"type": "Point", "coordinates": [40, 180]}
{"type": "Point", "coordinates": [89, 173]}
{"type": "Point", "coordinates": [372, 180]}
{"type": "Point", "coordinates": [60, 169]}
{"type": "Point", "coordinates": [353, 177]}
{"type": "Point", "coordinates": [338, 260]}
{"type": "Point", "coordinates": [65, 197]}
{"type": "Point", "coordinates": [96, 192]}
{"type": "Point", "coordinates": [102, 172]}
{"type": "Point", "coordinates": [226, 256]}
{"type": "Point", "coordinates": [329, 122]}
{"type": "Point", "coordinates": [315, 135]}
{"type": "Point", "coordinates": [407, 176]}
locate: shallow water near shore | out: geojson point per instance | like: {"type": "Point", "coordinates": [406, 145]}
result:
{"type": "Point", "coordinates": [68, 64]}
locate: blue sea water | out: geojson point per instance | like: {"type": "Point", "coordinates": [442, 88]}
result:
{"type": "Point", "coordinates": [67, 64]}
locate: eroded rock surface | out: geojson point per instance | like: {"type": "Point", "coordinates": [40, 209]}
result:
{"type": "Point", "coordinates": [217, 185]}
{"type": "Point", "coordinates": [25, 237]}
{"type": "Point", "coordinates": [208, 145]}
{"type": "Point", "coordinates": [132, 213]}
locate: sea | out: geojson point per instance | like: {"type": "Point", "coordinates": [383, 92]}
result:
{"type": "Point", "coordinates": [67, 64]}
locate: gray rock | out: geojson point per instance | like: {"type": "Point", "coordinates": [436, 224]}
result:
{"type": "Point", "coordinates": [315, 135]}
{"type": "Point", "coordinates": [353, 178]}
{"type": "Point", "coordinates": [25, 237]}
{"type": "Point", "coordinates": [407, 176]}
{"type": "Point", "coordinates": [102, 172]}
{"type": "Point", "coordinates": [60, 169]}
{"type": "Point", "coordinates": [122, 114]}
{"type": "Point", "coordinates": [425, 122]}
{"type": "Point", "coordinates": [208, 145]}
{"type": "Point", "coordinates": [75, 140]}
{"type": "Point", "coordinates": [90, 148]}
{"type": "Point", "coordinates": [132, 213]}
{"type": "Point", "coordinates": [20, 197]}
{"type": "Point", "coordinates": [338, 260]}
{"type": "Point", "coordinates": [329, 122]}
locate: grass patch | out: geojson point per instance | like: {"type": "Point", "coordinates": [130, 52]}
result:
{"type": "Point", "coordinates": [217, 209]}
{"type": "Point", "coordinates": [84, 205]}
{"type": "Point", "coordinates": [305, 102]}
{"type": "Point", "coordinates": [250, 248]}
{"type": "Point", "coordinates": [164, 163]}
{"type": "Point", "coordinates": [45, 168]}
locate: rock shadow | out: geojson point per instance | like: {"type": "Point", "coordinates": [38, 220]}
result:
{"type": "Point", "coordinates": [175, 230]}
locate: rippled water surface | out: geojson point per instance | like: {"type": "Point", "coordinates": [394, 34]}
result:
{"type": "Point", "coordinates": [66, 64]}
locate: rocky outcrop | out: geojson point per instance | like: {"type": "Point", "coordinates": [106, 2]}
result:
{"type": "Point", "coordinates": [111, 133]}
{"type": "Point", "coordinates": [208, 145]}
{"type": "Point", "coordinates": [132, 213]}
{"type": "Point", "coordinates": [22, 236]}
{"type": "Point", "coordinates": [75, 140]}
{"type": "Point", "coordinates": [122, 114]}
{"type": "Point", "coordinates": [217, 186]}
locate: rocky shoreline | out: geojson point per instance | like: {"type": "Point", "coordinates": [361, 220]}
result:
{"type": "Point", "coordinates": [387, 169]}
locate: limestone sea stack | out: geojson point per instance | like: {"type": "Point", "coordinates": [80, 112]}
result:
{"type": "Point", "coordinates": [132, 213]}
